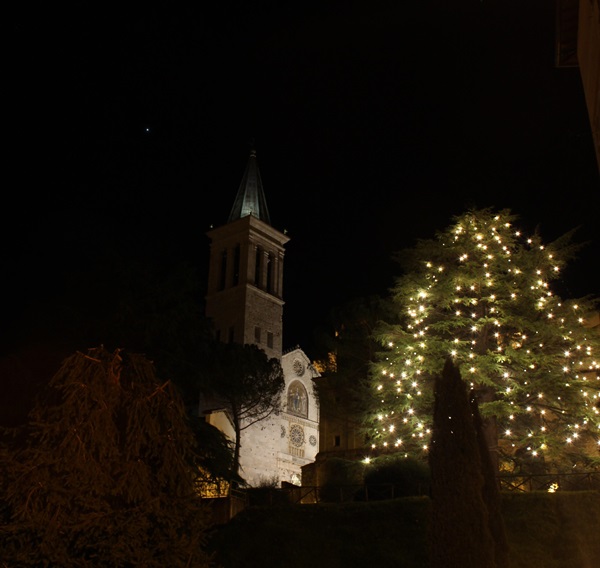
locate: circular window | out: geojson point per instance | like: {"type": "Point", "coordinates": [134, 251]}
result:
{"type": "Point", "coordinates": [296, 435]}
{"type": "Point", "coordinates": [312, 440]}
{"type": "Point", "coordinates": [298, 367]}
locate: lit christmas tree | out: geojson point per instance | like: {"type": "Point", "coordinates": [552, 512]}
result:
{"type": "Point", "coordinates": [481, 292]}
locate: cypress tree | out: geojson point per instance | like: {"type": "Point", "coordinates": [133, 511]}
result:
{"type": "Point", "coordinates": [491, 490]}
{"type": "Point", "coordinates": [460, 535]}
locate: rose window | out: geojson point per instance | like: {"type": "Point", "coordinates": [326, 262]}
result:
{"type": "Point", "coordinates": [296, 435]}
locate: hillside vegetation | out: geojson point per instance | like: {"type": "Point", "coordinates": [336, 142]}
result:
{"type": "Point", "coordinates": [545, 530]}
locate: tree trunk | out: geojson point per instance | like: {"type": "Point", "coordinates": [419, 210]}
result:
{"type": "Point", "coordinates": [235, 419]}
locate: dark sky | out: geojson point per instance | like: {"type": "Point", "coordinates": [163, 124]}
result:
{"type": "Point", "coordinates": [374, 123]}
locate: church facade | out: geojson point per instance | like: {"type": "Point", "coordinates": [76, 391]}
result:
{"type": "Point", "coordinates": [244, 302]}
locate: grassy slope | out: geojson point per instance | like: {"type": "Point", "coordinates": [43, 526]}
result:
{"type": "Point", "coordinates": [560, 530]}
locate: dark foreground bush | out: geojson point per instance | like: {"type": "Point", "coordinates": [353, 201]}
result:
{"type": "Point", "coordinates": [391, 477]}
{"type": "Point", "coordinates": [544, 530]}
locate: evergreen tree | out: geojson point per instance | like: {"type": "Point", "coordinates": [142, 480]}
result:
{"type": "Point", "coordinates": [491, 491]}
{"type": "Point", "coordinates": [154, 307]}
{"type": "Point", "coordinates": [459, 531]}
{"type": "Point", "coordinates": [107, 474]}
{"type": "Point", "coordinates": [481, 292]}
{"type": "Point", "coordinates": [345, 350]}
{"type": "Point", "coordinates": [245, 383]}
{"type": "Point", "coordinates": [151, 303]}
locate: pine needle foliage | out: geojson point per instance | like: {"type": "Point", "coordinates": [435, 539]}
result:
{"type": "Point", "coordinates": [106, 477]}
{"type": "Point", "coordinates": [482, 292]}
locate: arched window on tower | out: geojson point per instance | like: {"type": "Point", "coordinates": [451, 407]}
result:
{"type": "Point", "coordinates": [223, 270]}
{"type": "Point", "coordinates": [236, 265]}
{"type": "Point", "coordinates": [297, 399]}
{"type": "Point", "coordinates": [269, 285]}
{"type": "Point", "coordinates": [258, 267]}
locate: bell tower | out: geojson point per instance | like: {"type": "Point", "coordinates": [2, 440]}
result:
{"type": "Point", "coordinates": [244, 297]}
{"type": "Point", "coordinates": [244, 301]}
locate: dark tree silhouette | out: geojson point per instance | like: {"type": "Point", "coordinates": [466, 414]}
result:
{"type": "Point", "coordinates": [460, 536]}
{"type": "Point", "coordinates": [346, 349]}
{"type": "Point", "coordinates": [243, 382]}
{"type": "Point", "coordinates": [106, 475]}
{"type": "Point", "coordinates": [491, 490]}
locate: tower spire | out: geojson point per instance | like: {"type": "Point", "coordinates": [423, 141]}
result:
{"type": "Point", "coordinates": [250, 198]}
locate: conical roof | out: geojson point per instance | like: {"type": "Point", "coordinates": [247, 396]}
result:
{"type": "Point", "coordinates": [250, 198]}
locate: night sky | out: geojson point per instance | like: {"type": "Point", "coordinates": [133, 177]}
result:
{"type": "Point", "coordinates": [374, 123]}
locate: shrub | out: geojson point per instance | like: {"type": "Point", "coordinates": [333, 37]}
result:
{"type": "Point", "coordinates": [396, 476]}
